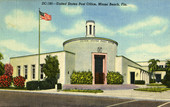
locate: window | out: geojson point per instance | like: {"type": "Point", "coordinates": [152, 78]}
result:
{"type": "Point", "coordinates": [33, 71]}
{"type": "Point", "coordinates": [160, 66]}
{"type": "Point", "coordinates": [19, 70]}
{"type": "Point", "coordinates": [86, 30]}
{"type": "Point", "coordinates": [42, 74]}
{"type": "Point", "coordinates": [94, 30]}
{"type": "Point", "coordinates": [25, 70]}
{"type": "Point", "coordinates": [90, 29]}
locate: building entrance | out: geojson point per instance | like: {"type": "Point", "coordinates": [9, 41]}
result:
{"type": "Point", "coordinates": [99, 75]}
{"type": "Point", "coordinates": [132, 77]}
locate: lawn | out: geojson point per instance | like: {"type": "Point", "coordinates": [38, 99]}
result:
{"type": "Point", "coordinates": [152, 89]}
{"type": "Point", "coordinates": [155, 84]}
{"type": "Point", "coordinates": [85, 91]}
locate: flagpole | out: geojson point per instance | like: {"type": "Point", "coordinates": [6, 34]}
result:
{"type": "Point", "coordinates": [39, 50]}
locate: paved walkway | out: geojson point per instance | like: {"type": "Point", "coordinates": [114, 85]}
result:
{"type": "Point", "coordinates": [123, 94]}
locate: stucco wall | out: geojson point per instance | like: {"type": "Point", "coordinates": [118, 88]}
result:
{"type": "Point", "coordinates": [123, 66]}
{"type": "Point", "coordinates": [33, 60]}
{"type": "Point", "coordinates": [69, 66]}
{"type": "Point", "coordinates": [83, 50]}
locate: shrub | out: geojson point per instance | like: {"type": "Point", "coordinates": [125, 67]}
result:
{"type": "Point", "coordinates": [19, 82]}
{"type": "Point", "coordinates": [44, 85]}
{"type": "Point", "coordinates": [139, 82]}
{"type": "Point", "coordinates": [51, 81]}
{"type": "Point", "coordinates": [51, 66]}
{"type": "Point", "coordinates": [83, 77]}
{"type": "Point", "coordinates": [166, 80]}
{"type": "Point", "coordinates": [5, 81]}
{"type": "Point", "coordinates": [32, 85]}
{"type": "Point", "coordinates": [152, 81]}
{"type": "Point", "coordinates": [8, 69]}
{"type": "Point", "coordinates": [2, 69]}
{"type": "Point", "coordinates": [114, 78]}
{"type": "Point", "coordinates": [59, 86]}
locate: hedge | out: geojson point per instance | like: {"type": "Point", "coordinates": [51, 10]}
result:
{"type": "Point", "coordinates": [32, 85]}
{"type": "Point", "coordinates": [84, 77]}
{"type": "Point", "coordinates": [139, 82]}
{"type": "Point", "coordinates": [44, 85]}
{"type": "Point", "coordinates": [49, 83]}
{"type": "Point", "coordinates": [114, 78]}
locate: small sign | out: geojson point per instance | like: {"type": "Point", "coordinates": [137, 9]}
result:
{"type": "Point", "coordinates": [99, 49]}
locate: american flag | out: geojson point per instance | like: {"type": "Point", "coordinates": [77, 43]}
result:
{"type": "Point", "coordinates": [45, 16]}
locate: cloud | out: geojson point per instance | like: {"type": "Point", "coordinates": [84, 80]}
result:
{"type": "Point", "coordinates": [26, 21]}
{"type": "Point", "coordinates": [103, 30]}
{"type": "Point", "coordinates": [129, 7]}
{"type": "Point", "coordinates": [148, 51]}
{"type": "Point", "coordinates": [67, 10]}
{"type": "Point", "coordinates": [16, 46]}
{"type": "Point", "coordinates": [79, 29]}
{"type": "Point", "coordinates": [57, 41]}
{"type": "Point", "coordinates": [150, 26]}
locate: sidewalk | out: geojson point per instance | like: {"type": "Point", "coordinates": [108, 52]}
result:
{"type": "Point", "coordinates": [122, 94]}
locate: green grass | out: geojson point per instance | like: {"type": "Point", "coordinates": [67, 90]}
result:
{"type": "Point", "coordinates": [13, 88]}
{"type": "Point", "coordinates": [85, 91]}
{"type": "Point", "coordinates": [153, 89]}
{"type": "Point", "coordinates": [155, 84]}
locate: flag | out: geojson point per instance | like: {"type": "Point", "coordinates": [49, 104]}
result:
{"type": "Point", "coordinates": [45, 16]}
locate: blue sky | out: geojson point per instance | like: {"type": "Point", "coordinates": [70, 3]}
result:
{"type": "Point", "coordinates": [141, 28]}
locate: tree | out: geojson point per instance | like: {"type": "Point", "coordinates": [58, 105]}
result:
{"type": "Point", "coordinates": [8, 70]}
{"type": "Point", "coordinates": [2, 71]}
{"type": "Point", "coordinates": [1, 56]}
{"type": "Point", "coordinates": [51, 67]}
{"type": "Point", "coordinates": [168, 65]}
{"type": "Point", "coordinates": [153, 66]}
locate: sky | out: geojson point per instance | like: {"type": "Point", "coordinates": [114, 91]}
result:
{"type": "Point", "coordinates": [140, 27]}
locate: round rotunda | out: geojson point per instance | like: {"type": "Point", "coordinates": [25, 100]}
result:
{"type": "Point", "coordinates": [93, 53]}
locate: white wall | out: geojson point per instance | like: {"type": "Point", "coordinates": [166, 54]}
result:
{"type": "Point", "coordinates": [33, 59]}
{"type": "Point", "coordinates": [83, 49]}
{"type": "Point", "coordinates": [125, 66]}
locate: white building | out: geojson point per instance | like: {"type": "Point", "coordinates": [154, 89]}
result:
{"type": "Point", "coordinates": [160, 73]}
{"type": "Point", "coordinates": [96, 54]}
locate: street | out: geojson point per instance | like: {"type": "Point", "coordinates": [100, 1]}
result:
{"type": "Point", "coordinates": [22, 99]}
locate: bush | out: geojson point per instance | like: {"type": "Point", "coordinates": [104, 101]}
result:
{"type": "Point", "coordinates": [8, 69]}
{"type": "Point", "coordinates": [59, 86]}
{"type": "Point", "coordinates": [2, 69]}
{"type": "Point", "coordinates": [19, 82]}
{"type": "Point", "coordinates": [83, 77]}
{"type": "Point", "coordinates": [51, 81]}
{"type": "Point", "coordinates": [139, 82]}
{"type": "Point", "coordinates": [166, 80]}
{"type": "Point", "coordinates": [5, 81]}
{"type": "Point", "coordinates": [152, 81]}
{"type": "Point", "coordinates": [114, 78]}
{"type": "Point", "coordinates": [32, 85]}
{"type": "Point", "coordinates": [44, 85]}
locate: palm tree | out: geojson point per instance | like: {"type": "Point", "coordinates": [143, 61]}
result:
{"type": "Point", "coordinates": [168, 65]}
{"type": "Point", "coordinates": [1, 56]}
{"type": "Point", "coordinates": [153, 65]}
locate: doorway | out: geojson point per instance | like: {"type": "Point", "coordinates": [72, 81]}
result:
{"type": "Point", "coordinates": [132, 77]}
{"type": "Point", "coordinates": [99, 68]}
{"type": "Point", "coordinates": [158, 77]}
